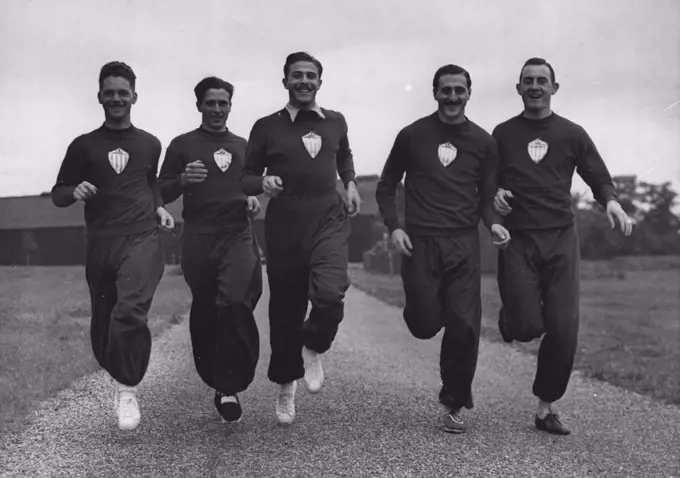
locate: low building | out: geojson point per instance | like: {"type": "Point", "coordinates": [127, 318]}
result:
{"type": "Point", "coordinates": [35, 232]}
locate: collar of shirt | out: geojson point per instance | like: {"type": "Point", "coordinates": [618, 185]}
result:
{"type": "Point", "coordinates": [293, 111]}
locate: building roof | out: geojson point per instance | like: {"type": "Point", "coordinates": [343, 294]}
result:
{"type": "Point", "coordinates": [35, 212]}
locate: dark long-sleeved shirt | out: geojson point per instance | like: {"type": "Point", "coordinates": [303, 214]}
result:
{"type": "Point", "coordinates": [542, 186]}
{"type": "Point", "coordinates": [122, 165]}
{"type": "Point", "coordinates": [279, 145]}
{"type": "Point", "coordinates": [217, 203]}
{"type": "Point", "coordinates": [450, 178]}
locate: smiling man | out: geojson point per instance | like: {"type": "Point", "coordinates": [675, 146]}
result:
{"type": "Point", "coordinates": [113, 170]}
{"type": "Point", "coordinates": [450, 165]}
{"type": "Point", "coordinates": [303, 148]}
{"type": "Point", "coordinates": [220, 255]}
{"type": "Point", "coordinates": [538, 274]}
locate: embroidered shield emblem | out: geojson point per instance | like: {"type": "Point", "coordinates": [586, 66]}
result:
{"type": "Point", "coordinates": [537, 150]}
{"type": "Point", "coordinates": [222, 159]}
{"type": "Point", "coordinates": [118, 159]}
{"type": "Point", "coordinates": [447, 153]}
{"type": "Point", "coordinates": [312, 142]}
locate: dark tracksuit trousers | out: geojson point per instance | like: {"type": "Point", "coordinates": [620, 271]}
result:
{"type": "Point", "coordinates": [307, 261]}
{"type": "Point", "coordinates": [538, 280]}
{"type": "Point", "coordinates": [224, 272]}
{"type": "Point", "coordinates": [442, 285]}
{"type": "Point", "coordinates": [122, 274]}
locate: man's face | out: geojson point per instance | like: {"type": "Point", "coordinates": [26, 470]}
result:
{"type": "Point", "coordinates": [117, 97]}
{"type": "Point", "coordinates": [302, 83]}
{"type": "Point", "coordinates": [215, 109]}
{"type": "Point", "coordinates": [536, 88]}
{"type": "Point", "coordinates": [452, 95]}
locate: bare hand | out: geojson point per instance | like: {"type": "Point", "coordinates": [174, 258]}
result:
{"type": "Point", "coordinates": [194, 173]}
{"type": "Point", "coordinates": [165, 218]}
{"type": "Point", "coordinates": [253, 206]}
{"type": "Point", "coordinates": [616, 213]}
{"type": "Point", "coordinates": [272, 186]}
{"type": "Point", "coordinates": [500, 202]}
{"type": "Point", "coordinates": [353, 199]}
{"type": "Point", "coordinates": [84, 191]}
{"type": "Point", "coordinates": [402, 242]}
{"type": "Point", "coordinates": [501, 236]}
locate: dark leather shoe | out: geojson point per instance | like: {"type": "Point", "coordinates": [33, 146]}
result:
{"type": "Point", "coordinates": [551, 424]}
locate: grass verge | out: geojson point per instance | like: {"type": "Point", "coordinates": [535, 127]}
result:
{"type": "Point", "coordinates": [629, 330]}
{"type": "Point", "coordinates": [45, 332]}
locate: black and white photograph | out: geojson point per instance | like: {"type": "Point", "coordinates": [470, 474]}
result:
{"type": "Point", "coordinates": [357, 238]}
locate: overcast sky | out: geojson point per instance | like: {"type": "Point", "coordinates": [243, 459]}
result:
{"type": "Point", "coordinates": [618, 63]}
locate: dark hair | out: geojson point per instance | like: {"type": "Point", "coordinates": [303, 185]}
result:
{"type": "Point", "coordinates": [450, 70]}
{"type": "Point", "coordinates": [212, 83]}
{"type": "Point", "coordinates": [300, 56]}
{"type": "Point", "coordinates": [538, 62]}
{"type": "Point", "coordinates": [117, 68]}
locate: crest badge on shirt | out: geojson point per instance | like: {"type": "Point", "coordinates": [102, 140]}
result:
{"type": "Point", "coordinates": [447, 153]}
{"type": "Point", "coordinates": [222, 159]}
{"type": "Point", "coordinates": [118, 158]}
{"type": "Point", "coordinates": [312, 142]}
{"type": "Point", "coordinates": [537, 150]}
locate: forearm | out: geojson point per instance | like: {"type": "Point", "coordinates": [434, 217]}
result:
{"type": "Point", "coordinates": [593, 170]}
{"type": "Point", "coordinates": [345, 163]}
{"type": "Point", "coordinates": [251, 183]}
{"type": "Point", "coordinates": [171, 189]}
{"type": "Point", "coordinates": [62, 195]}
{"type": "Point", "coordinates": [386, 197]}
{"type": "Point", "coordinates": [487, 188]}
{"type": "Point", "coordinates": [170, 176]}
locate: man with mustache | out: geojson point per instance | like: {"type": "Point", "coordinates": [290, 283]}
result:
{"type": "Point", "coordinates": [450, 165]}
{"type": "Point", "coordinates": [538, 274]}
{"type": "Point", "coordinates": [220, 255]}
{"type": "Point", "coordinates": [303, 148]}
{"type": "Point", "coordinates": [113, 170]}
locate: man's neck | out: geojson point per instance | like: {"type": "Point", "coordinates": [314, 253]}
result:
{"type": "Point", "coordinates": [213, 130]}
{"type": "Point", "coordinates": [444, 119]}
{"type": "Point", "coordinates": [123, 123]}
{"type": "Point", "coordinates": [537, 114]}
{"type": "Point", "coordinates": [302, 106]}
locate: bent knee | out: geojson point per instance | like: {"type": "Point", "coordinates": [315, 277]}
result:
{"type": "Point", "coordinates": [422, 326]}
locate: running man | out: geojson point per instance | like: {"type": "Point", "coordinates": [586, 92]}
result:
{"type": "Point", "coordinates": [220, 255]}
{"type": "Point", "coordinates": [450, 165]}
{"type": "Point", "coordinates": [113, 170]}
{"type": "Point", "coordinates": [538, 273]}
{"type": "Point", "coordinates": [303, 148]}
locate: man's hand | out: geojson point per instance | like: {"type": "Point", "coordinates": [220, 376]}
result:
{"type": "Point", "coordinates": [194, 173]}
{"type": "Point", "coordinates": [353, 199]}
{"type": "Point", "coordinates": [272, 186]}
{"type": "Point", "coordinates": [501, 236]}
{"type": "Point", "coordinates": [401, 241]}
{"type": "Point", "coordinates": [84, 191]}
{"type": "Point", "coordinates": [253, 206]}
{"type": "Point", "coordinates": [165, 218]}
{"type": "Point", "coordinates": [616, 213]}
{"type": "Point", "coordinates": [500, 202]}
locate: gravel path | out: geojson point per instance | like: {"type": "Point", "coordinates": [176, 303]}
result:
{"type": "Point", "coordinates": [377, 416]}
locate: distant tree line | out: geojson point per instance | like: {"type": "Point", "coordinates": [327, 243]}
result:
{"type": "Point", "coordinates": [657, 227]}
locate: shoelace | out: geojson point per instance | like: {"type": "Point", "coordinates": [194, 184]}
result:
{"type": "Point", "coordinates": [126, 405]}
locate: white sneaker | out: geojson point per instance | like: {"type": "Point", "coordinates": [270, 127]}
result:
{"type": "Point", "coordinates": [127, 408]}
{"type": "Point", "coordinates": [285, 403]}
{"type": "Point", "coordinates": [313, 370]}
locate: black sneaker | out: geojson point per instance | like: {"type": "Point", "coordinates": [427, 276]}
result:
{"type": "Point", "coordinates": [502, 326]}
{"type": "Point", "coordinates": [551, 424]}
{"type": "Point", "coordinates": [228, 407]}
{"type": "Point", "coordinates": [453, 423]}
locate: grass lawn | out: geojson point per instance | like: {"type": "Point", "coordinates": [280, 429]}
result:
{"type": "Point", "coordinates": [45, 332]}
{"type": "Point", "coordinates": [630, 328]}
